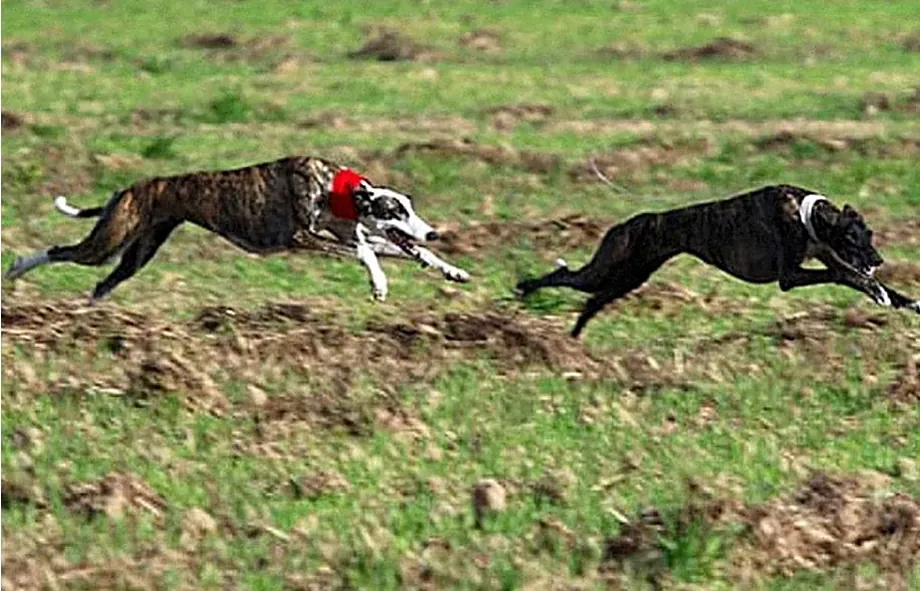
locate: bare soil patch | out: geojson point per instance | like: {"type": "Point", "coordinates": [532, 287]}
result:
{"type": "Point", "coordinates": [567, 233]}
{"type": "Point", "coordinates": [504, 155]}
{"type": "Point", "coordinates": [899, 272]}
{"type": "Point", "coordinates": [12, 121]}
{"type": "Point", "coordinates": [644, 155]}
{"type": "Point", "coordinates": [725, 48]}
{"type": "Point", "coordinates": [785, 140]}
{"type": "Point", "coordinates": [115, 495]}
{"type": "Point", "coordinates": [482, 40]}
{"type": "Point", "coordinates": [904, 390]}
{"type": "Point", "coordinates": [911, 42]}
{"type": "Point", "coordinates": [387, 45]}
{"type": "Point", "coordinates": [833, 520]}
{"type": "Point", "coordinates": [156, 357]}
{"type": "Point", "coordinates": [229, 48]}
{"type": "Point", "coordinates": [507, 117]}
{"type": "Point", "coordinates": [642, 546]}
{"type": "Point", "coordinates": [904, 231]}
{"type": "Point", "coordinates": [828, 521]}
{"type": "Point", "coordinates": [874, 102]}
{"type": "Point", "coordinates": [210, 41]}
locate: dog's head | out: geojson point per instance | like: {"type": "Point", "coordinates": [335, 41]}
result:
{"type": "Point", "coordinates": [383, 211]}
{"type": "Point", "coordinates": [847, 233]}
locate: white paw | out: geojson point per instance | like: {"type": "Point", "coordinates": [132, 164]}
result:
{"type": "Point", "coordinates": [882, 298]}
{"type": "Point", "coordinates": [561, 264]}
{"type": "Point", "coordinates": [456, 274]}
{"type": "Point", "coordinates": [915, 306]}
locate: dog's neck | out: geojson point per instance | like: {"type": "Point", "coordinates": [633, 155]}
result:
{"type": "Point", "coordinates": [342, 188]}
{"type": "Point", "coordinates": [807, 214]}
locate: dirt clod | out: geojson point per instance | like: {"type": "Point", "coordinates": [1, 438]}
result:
{"type": "Point", "coordinates": [210, 41]}
{"type": "Point", "coordinates": [905, 389]}
{"type": "Point", "coordinates": [719, 48]}
{"type": "Point", "coordinates": [387, 45]}
{"type": "Point", "coordinates": [482, 40]}
{"type": "Point", "coordinates": [506, 117]}
{"type": "Point", "coordinates": [489, 497]}
{"type": "Point", "coordinates": [12, 121]}
{"type": "Point", "coordinates": [115, 495]}
{"type": "Point", "coordinates": [911, 42]}
{"type": "Point", "coordinates": [319, 484]}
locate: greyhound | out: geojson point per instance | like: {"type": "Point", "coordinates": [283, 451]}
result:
{"type": "Point", "coordinates": [760, 236]}
{"type": "Point", "coordinates": [264, 208]}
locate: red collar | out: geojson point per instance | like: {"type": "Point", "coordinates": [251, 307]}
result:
{"type": "Point", "coordinates": [342, 194]}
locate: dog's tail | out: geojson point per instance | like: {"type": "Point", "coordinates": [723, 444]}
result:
{"type": "Point", "coordinates": [60, 202]}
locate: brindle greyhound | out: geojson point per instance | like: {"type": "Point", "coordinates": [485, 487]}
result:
{"type": "Point", "coordinates": [263, 208]}
{"type": "Point", "coordinates": [761, 236]}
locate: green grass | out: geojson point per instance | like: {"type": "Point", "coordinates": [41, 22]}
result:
{"type": "Point", "coordinates": [111, 94]}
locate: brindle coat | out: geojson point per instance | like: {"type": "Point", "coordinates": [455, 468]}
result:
{"type": "Point", "coordinates": [757, 237]}
{"type": "Point", "coordinates": [263, 208]}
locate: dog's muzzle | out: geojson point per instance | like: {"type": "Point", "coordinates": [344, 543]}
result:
{"type": "Point", "coordinates": [401, 239]}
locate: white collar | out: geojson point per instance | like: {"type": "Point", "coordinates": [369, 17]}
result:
{"type": "Point", "coordinates": [806, 212]}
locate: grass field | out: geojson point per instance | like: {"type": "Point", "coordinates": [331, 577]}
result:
{"type": "Point", "coordinates": [229, 421]}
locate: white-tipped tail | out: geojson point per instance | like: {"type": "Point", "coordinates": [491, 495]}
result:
{"type": "Point", "coordinates": [60, 202]}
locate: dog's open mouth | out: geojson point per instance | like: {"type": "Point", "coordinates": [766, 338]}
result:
{"type": "Point", "coordinates": [401, 239]}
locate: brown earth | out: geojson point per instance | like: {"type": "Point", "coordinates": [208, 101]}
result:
{"type": "Point", "coordinates": [156, 357]}
{"type": "Point", "coordinates": [387, 45]}
{"type": "Point", "coordinates": [538, 162]}
{"type": "Point", "coordinates": [644, 155]}
{"type": "Point", "coordinates": [833, 520]}
{"type": "Point", "coordinates": [479, 238]}
{"type": "Point", "coordinates": [865, 146]}
{"type": "Point", "coordinates": [482, 40]}
{"type": "Point", "coordinates": [12, 121]}
{"type": "Point", "coordinates": [899, 272]}
{"type": "Point", "coordinates": [507, 117]}
{"type": "Point", "coordinates": [720, 48]}
{"type": "Point", "coordinates": [904, 390]}
{"type": "Point", "coordinates": [229, 48]}
{"type": "Point", "coordinates": [829, 521]}
{"type": "Point", "coordinates": [115, 495]}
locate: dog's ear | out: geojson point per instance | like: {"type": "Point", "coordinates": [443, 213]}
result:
{"type": "Point", "coordinates": [362, 198]}
{"type": "Point", "coordinates": [850, 213]}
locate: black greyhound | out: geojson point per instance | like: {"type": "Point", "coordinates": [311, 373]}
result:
{"type": "Point", "coordinates": [760, 236]}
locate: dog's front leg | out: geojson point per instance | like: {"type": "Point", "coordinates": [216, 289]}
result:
{"type": "Point", "coordinates": [849, 276]}
{"type": "Point", "coordinates": [802, 277]}
{"type": "Point", "coordinates": [368, 258]}
{"type": "Point", "coordinates": [422, 255]}
{"type": "Point", "coordinates": [429, 259]}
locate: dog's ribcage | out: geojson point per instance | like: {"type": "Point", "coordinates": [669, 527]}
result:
{"type": "Point", "coordinates": [259, 208]}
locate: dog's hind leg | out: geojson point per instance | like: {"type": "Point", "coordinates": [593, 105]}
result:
{"type": "Point", "coordinates": [627, 246]}
{"type": "Point", "coordinates": [138, 254]}
{"type": "Point", "coordinates": [116, 227]}
{"type": "Point", "coordinates": [623, 284]}
{"type": "Point", "coordinates": [561, 277]}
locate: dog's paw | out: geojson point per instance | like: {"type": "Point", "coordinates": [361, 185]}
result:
{"type": "Point", "coordinates": [456, 274]}
{"type": "Point", "coordinates": [379, 293]}
{"type": "Point", "coordinates": [915, 306]}
{"type": "Point", "coordinates": [15, 270]}
{"type": "Point", "coordinates": [881, 296]}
